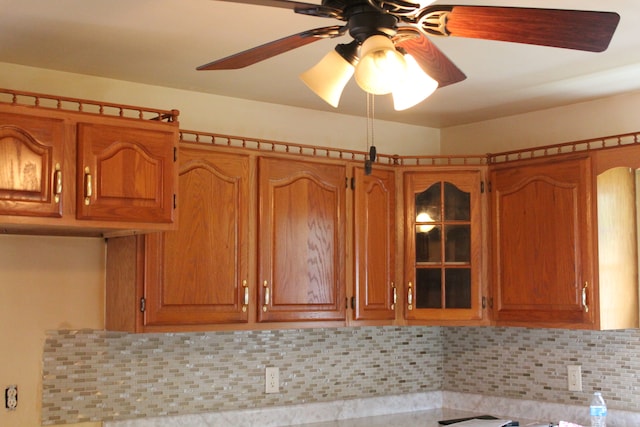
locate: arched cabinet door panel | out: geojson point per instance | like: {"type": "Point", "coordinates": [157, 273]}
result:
{"type": "Point", "coordinates": [542, 244]}
{"type": "Point", "coordinates": [125, 174]}
{"type": "Point", "coordinates": [301, 245]}
{"type": "Point", "coordinates": [31, 159]}
{"type": "Point", "coordinates": [374, 227]}
{"type": "Point", "coordinates": [198, 274]}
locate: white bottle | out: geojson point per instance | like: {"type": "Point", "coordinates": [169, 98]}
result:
{"type": "Point", "coordinates": [598, 411]}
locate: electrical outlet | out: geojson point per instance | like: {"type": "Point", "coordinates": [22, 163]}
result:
{"type": "Point", "coordinates": [574, 377]}
{"type": "Point", "coordinates": [272, 381]}
{"type": "Point", "coordinates": [11, 397]}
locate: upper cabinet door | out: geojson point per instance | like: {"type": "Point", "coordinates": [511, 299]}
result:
{"type": "Point", "coordinates": [443, 238]}
{"type": "Point", "coordinates": [374, 239]}
{"type": "Point", "coordinates": [198, 274]}
{"type": "Point", "coordinates": [31, 161]}
{"type": "Point", "coordinates": [542, 249]}
{"type": "Point", "coordinates": [301, 244]}
{"type": "Point", "coordinates": [125, 173]}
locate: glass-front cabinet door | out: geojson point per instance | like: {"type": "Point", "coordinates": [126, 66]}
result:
{"type": "Point", "coordinates": [443, 271]}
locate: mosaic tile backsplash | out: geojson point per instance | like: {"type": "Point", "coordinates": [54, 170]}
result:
{"type": "Point", "coordinates": [97, 375]}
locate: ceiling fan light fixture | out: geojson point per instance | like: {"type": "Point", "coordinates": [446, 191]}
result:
{"type": "Point", "coordinates": [381, 66]}
{"type": "Point", "coordinates": [414, 88]}
{"type": "Point", "coordinates": [328, 77]}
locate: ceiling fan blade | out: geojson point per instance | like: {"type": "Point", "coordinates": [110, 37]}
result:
{"type": "Point", "coordinates": [570, 29]}
{"type": "Point", "coordinates": [431, 59]}
{"type": "Point", "coordinates": [271, 49]}
{"type": "Point", "coordinates": [296, 6]}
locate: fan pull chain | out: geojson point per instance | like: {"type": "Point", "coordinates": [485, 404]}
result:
{"type": "Point", "coordinates": [371, 148]}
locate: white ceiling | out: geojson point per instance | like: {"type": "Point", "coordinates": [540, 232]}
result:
{"type": "Point", "coordinates": [161, 42]}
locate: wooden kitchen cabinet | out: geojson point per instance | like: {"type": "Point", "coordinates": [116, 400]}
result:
{"type": "Point", "coordinates": [201, 275]}
{"type": "Point", "coordinates": [126, 173]}
{"type": "Point", "coordinates": [270, 238]}
{"type": "Point", "coordinates": [565, 240]}
{"type": "Point", "coordinates": [375, 293]}
{"type": "Point", "coordinates": [77, 172]}
{"type": "Point", "coordinates": [542, 243]}
{"type": "Point", "coordinates": [301, 240]}
{"type": "Point", "coordinates": [443, 246]}
{"type": "Point", "coordinates": [31, 158]}
{"type": "Point", "coordinates": [617, 187]}
{"type": "Point", "coordinates": [198, 274]}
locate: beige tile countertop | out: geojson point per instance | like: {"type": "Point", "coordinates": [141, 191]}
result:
{"type": "Point", "coordinates": [412, 410]}
{"type": "Point", "coordinates": [428, 418]}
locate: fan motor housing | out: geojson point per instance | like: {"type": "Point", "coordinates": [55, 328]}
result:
{"type": "Point", "coordinates": [364, 20]}
{"type": "Point", "coordinates": [365, 24]}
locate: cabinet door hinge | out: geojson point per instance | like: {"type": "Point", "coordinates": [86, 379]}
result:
{"type": "Point", "coordinates": [482, 186]}
{"type": "Point", "coordinates": [353, 303]}
{"type": "Point", "coordinates": [175, 154]}
{"type": "Point", "coordinates": [175, 202]}
{"type": "Point", "coordinates": [484, 302]}
{"type": "Point", "coordinates": [353, 183]}
{"type": "Point", "coordinates": [143, 304]}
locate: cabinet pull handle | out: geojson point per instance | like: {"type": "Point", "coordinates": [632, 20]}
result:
{"type": "Point", "coordinates": [57, 179]}
{"type": "Point", "coordinates": [88, 186]}
{"type": "Point", "coordinates": [246, 296]}
{"type": "Point", "coordinates": [410, 296]}
{"type": "Point", "coordinates": [265, 284]}
{"type": "Point", "coordinates": [394, 296]}
{"type": "Point", "coordinates": [584, 297]}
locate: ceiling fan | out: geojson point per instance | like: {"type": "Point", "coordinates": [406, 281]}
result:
{"type": "Point", "coordinates": [398, 30]}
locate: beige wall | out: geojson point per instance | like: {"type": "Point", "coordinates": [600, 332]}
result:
{"type": "Point", "coordinates": [45, 283]}
{"type": "Point", "coordinates": [603, 117]}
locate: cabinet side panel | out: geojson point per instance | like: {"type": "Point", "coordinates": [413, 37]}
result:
{"type": "Point", "coordinates": [122, 279]}
{"type": "Point", "coordinates": [617, 249]}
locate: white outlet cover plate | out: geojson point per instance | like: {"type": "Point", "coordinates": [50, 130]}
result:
{"type": "Point", "coordinates": [272, 380]}
{"type": "Point", "coordinates": [574, 377]}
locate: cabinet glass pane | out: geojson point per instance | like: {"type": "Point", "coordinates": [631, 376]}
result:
{"type": "Point", "coordinates": [428, 205]}
{"type": "Point", "coordinates": [458, 243]}
{"type": "Point", "coordinates": [457, 287]}
{"type": "Point", "coordinates": [457, 203]}
{"type": "Point", "coordinates": [428, 243]}
{"type": "Point", "coordinates": [428, 288]}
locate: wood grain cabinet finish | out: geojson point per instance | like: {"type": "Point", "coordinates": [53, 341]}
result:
{"type": "Point", "coordinates": [31, 159]}
{"type": "Point", "coordinates": [68, 172]}
{"type": "Point", "coordinates": [375, 293]}
{"type": "Point", "coordinates": [542, 243]}
{"type": "Point", "coordinates": [617, 188]}
{"type": "Point", "coordinates": [199, 273]}
{"type": "Point", "coordinates": [443, 247]}
{"type": "Point", "coordinates": [301, 240]}
{"type": "Point", "coordinates": [125, 174]}
{"type": "Point", "coordinates": [203, 275]}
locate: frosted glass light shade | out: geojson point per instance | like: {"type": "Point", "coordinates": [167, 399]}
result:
{"type": "Point", "coordinates": [381, 66]}
{"type": "Point", "coordinates": [414, 88]}
{"type": "Point", "coordinates": [328, 77]}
